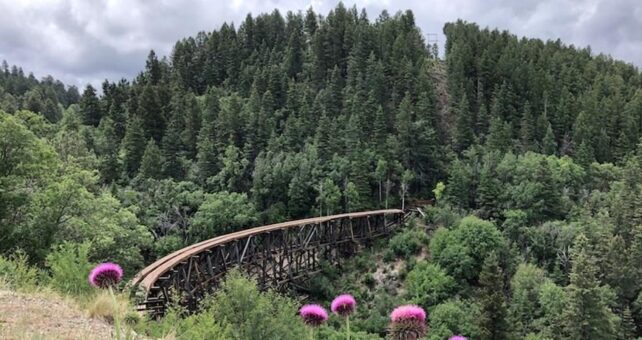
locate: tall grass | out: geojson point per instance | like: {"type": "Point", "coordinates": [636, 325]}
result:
{"type": "Point", "coordinates": [17, 274]}
{"type": "Point", "coordinates": [69, 265]}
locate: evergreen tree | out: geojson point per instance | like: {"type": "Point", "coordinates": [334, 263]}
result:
{"type": "Point", "coordinates": [379, 130]}
{"type": "Point", "coordinates": [404, 130]}
{"type": "Point", "coordinates": [464, 133]}
{"type": "Point", "coordinates": [499, 135]}
{"type": "Point", "coordinates": [150, 166]}
{"type": "Point", "coordinates": [207, 156]}
{"type": "Point", "coordinates": [153, 68]}
{"type": "Point", "coordinates": [492, 300]}
{"type": "Point", "coordinates": [585, 155]}
{"type": "Point", "coordinates": [90, 107]}
{"type": "Point", "coordinates": [588, 315]}
{"type": "Point", "coordinates": [489, 192]}
{"type": "Point", "coordinates": [172, 147]}
{"type": "Point", "coordinates": [527, 129]}
{"type": "Point", "coordinates": [107, 150]}
{"type": "Point", "coordinates": [192, 126]}
{"type": "Point", "coordinates": [133, 146]}
{"type": "Point", "coordinates": [359, 177]}
{"type": "Point", "coordinates": [628, 328]}
{"type": "Point", "coordinates": [328, 198]}
{"type": "Point", "coordinates": [458, 188]}
{"type": "Point", "coordinates": [502, 106]}
{"type": "Point", "coordinates": [233, 166]}
{"type": "Point", "coordinates": [151, 113]}
{"type": "Point", "coordinates": [549, 145]}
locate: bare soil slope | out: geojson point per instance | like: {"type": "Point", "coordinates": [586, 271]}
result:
{"type": "Point", "coordinates": [44, 316]}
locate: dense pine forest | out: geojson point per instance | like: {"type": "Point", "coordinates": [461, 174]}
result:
{"type": "Point", "coordinates": [530, 150]}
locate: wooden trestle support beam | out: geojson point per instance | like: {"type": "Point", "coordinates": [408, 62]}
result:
{"type": "Point", "coordinates": [275, 255]}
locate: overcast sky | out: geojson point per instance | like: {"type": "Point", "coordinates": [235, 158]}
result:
{"type": "Point", "coordinates": [82, 41]}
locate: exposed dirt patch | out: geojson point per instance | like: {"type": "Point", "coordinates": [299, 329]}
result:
{"type": "Point", "coordinates": [40, 316]}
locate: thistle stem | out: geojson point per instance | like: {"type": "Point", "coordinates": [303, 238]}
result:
{"type": "Point", "coordinates": [348, 327]}
{"type": "Point", "coordinates": [116, 317]}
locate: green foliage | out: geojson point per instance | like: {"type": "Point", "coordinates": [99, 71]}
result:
{"type": "Point", "coordinates": [329, 196]}
{"type": "Point", "coordinates": [553, 301]}
{"type": "Point", "coordinates": [454, 317]}
{"type": "Point", "coordinates": [438, 191]}
{"type": "Point", "coordinates": [492, 302]}
{"type": "Point", "coordinates": [16, 273]}
{"type": "Point", "coordinates": [222, 213]}
{"type": "Point", "coordinates": [133, 146]}
{"type": "Point", "coordinates": [428, 285]}
{"type": "Point", "coordinates": [69, 266]}
{"type": "Point", "coordinates": [252, 314]}
{"type": "Point", "coordinates": [408, 242]}
{"type": "Point", "coordinates": [150, 166]}
{"type": "Point", "coordinates": [588, 314]}
{"type": "Point", "coordinates": [443, 215]}
{"type": "Point", "coordinates": [524, 308]}
{"type": "Point", "coordinates": [279, 118]}
{"type": "Point", "coordinates": [462, 250]}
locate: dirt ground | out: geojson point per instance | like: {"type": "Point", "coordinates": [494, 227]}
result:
{"type": "Point", "coordinates": [40, 316]}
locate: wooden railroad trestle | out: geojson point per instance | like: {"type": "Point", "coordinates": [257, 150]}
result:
{"type": "Point", "coordinates": [275, 255]}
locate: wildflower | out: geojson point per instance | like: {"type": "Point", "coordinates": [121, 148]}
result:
{"type": "Point", "coordinates": [408, 322]}
{"type": "Point", "coordinates": [106, 275]}
{"type": "Point", "coordinates": [458, 337]}
{"type": "Point", "coordinates": [343, 305]}
{"type": "Point", "coordinates": [313, 315]}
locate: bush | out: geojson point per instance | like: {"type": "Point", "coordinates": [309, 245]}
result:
{"type": "Point", "coordinates": [104, 306]}
{"type": "Point", "coordinates": [454, 317]}
{"type": "Point", "coordinates": [462, 250]}
{"type": "Point", "coordinates": [329, 333]}
{"type": "Point", "coordinates": [252, 314]}
{"type": "Point", "coordinates": [69, 266]}
{"type": "Point", "coordinates": [238, 310]}
{"type": "Point", "coordinates": [408, 242]}
{"type": "Point", "coordinates": [132, 319]}
{"type": "Point", "coordinates": [369, 280]}
{"type": "Point", "coordinates": [222, 213]}
{"type": "Point", "coordinates": [16, 273]}
{"type": "Point", "coordinates": [443, 215]}
{"type": "Point", "coordinates": [427, 284]}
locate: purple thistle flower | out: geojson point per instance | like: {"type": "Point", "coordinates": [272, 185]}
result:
{"type": "Point", "coordinates": [105, 275]}
{"type": "Point", "coordinates": [313, 315]}
{"type": "Point", "coordinates": [408, 312]}
{"type": "Point", "coordinates": [458, 337]}
{"type": "Point", "coordinates": [343, 305]}
{"type": "Point", "coordinates": [408, 322]}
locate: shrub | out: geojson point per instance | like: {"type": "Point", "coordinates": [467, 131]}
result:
{"type": "Point", "coordinates": [408, 242]}
{"type": "Point", "coordinates": [253, 314]}
{"type": "Point", "coordinates": [427, 284]}
{"type": "Point", "coordinates": [462, 250]}
{"type": "Point", "coordinates": [443, 215]}
{"type": "Point", "coordinates": [16, 273]}
{"type": "Point", "coordinates": [454, 317]}
{"type": "Point", "coordinates": [69, 265]}
{"type": "Point", "coordinates": [104, 306]}
{"type": "Point", "coordinates": [369, 280]}
{"type": "Point", "coordinates": [132, 319]}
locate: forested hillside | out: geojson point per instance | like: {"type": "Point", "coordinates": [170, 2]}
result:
{"type": "Point", "coordinates": [283, 117]}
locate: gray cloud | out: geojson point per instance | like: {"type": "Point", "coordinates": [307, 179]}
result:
{"type": "Point", "coordinates": [83, 42]}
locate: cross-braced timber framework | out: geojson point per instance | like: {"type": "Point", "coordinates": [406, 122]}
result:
{"type": "Point", "coordinates": [276, 256]}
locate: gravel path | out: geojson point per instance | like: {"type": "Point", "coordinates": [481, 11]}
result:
{"type": "Point", "coordinates": [36, 316]}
